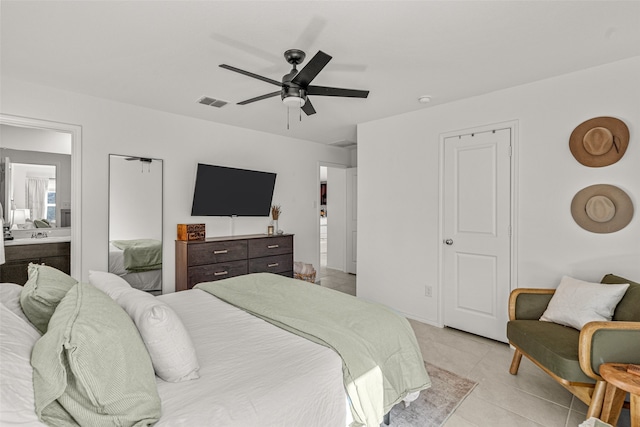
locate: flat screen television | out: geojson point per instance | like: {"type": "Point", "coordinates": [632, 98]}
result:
{"type": "Point", "coordinates": [224, 191]}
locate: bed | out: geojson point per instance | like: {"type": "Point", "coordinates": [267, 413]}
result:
{"type": "Point", "coordinates": [251, 372]}
{"type": "Point", "coordinates": [148, 278]}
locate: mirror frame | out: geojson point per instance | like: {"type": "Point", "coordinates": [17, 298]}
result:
{"type": "Point", "coordinates": [76, 178]}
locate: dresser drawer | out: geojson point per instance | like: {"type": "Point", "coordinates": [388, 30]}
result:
{"type": "Point", "coordinates": [270, 246]}
{"type": "Point", "coordinates": [213, 272]}
{"type": "Point", "coordinates": [271, 264]}
{"type": "Point", "coordinates": [216, 252]}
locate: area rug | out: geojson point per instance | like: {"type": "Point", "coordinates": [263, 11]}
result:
{"type": "Point", "coordinates": [436, 404]}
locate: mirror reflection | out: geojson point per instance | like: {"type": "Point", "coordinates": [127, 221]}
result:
{"type": "Point", "coordinates": [135, 221]}
{"type": "Point", "coordinates": [35, 181]}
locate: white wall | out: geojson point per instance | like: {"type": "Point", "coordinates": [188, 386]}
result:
{"type": "Point", "coordinates": [111, 127]}
{"type": "Point", "coordinates": [398, 187]}
{"type": "Point", "coordinates": [30, 139]}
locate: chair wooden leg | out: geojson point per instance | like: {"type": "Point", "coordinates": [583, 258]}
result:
{"type": "Point", "coordinates": [515, 363]}
{"type": "Point", "coordinates": [613, 400]}
{"type": "Point", "coordinates": [597, 398]}
{"type": "Point", "coordinates": [635, 410]}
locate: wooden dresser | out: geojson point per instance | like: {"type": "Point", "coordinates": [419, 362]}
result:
{"type": "Point", "coordinates": [221, 257]}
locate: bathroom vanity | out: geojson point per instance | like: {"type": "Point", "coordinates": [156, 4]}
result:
{"type": "Point", "coordinates": [19, 253]}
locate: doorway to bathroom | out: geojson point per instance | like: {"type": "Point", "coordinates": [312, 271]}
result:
{"type": "Point", "coordinates": [332, 215]}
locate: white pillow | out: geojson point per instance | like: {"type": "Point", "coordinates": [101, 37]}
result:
{"type": "Point", "coordinates": [108, 283]}
{"type": "Point", "coordinates": [167, 340]}
{"type": "Point", "coordinates": [16, 394]}
{"type": "Point", "coordinates": [10, 298]}
{"type": "Point", "coordinates": [576, 303]}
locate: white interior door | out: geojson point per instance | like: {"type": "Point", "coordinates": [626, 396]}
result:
{"type": "Point", "coordinates": [477, 241]}
{"type": "Point", "coordinates": [352, 219]}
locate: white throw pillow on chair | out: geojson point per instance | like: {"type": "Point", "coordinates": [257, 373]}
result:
{"type": "Point", "coordinates": [576, 302]}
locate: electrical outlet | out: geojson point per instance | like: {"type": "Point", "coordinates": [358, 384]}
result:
{"type": "Point", "coordinates": [428, 291]}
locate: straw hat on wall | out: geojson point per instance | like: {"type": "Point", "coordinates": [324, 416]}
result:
{"type": "Point", "coordinates": [602, 208]}
{"type": "Point", "coordinates": [600, 141]}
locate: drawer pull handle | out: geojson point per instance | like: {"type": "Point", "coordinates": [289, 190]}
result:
{"type": "Point", "coordinates": [275, 264]}
{"type": "Point", "coordinates": [220, 273]}
{"type": "Point", "coordinates": [273, 246]}
{"type": "Point", "coordinates": [222, 251]}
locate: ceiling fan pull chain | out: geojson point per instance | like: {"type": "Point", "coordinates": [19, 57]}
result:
{"type": "Point", "coordinates": [300, 112]}
{"type": "Point", "coordinates": [287, 118]}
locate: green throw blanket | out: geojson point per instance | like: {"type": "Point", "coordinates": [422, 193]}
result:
{"type": "Point", "coordinates": [141, 254]}
{"type": "Point", "coordinates": [381, 360]}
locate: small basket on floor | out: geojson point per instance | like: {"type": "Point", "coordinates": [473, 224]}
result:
{"type": "Point", "coordinates": [311, 277]}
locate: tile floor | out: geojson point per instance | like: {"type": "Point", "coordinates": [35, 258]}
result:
{"type": "Point", "coordinates": [529, 399]}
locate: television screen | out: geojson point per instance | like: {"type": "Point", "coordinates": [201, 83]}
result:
{"type": "Point", "coordinates": [223, 191]}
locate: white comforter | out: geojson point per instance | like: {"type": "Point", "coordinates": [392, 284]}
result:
{"type": "Point", "coordinates": [252, 373]}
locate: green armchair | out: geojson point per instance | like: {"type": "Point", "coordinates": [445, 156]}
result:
{"type": "Point", "coordinates": [573, 357]}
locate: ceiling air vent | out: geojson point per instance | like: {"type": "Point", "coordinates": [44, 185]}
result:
{"type": "Point", "coordinates": [205, 100]}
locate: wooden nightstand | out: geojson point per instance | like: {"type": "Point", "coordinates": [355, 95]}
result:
{"type": "Point", "coordinates": [619, 382]}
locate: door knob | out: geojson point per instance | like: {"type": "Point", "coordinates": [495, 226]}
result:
{"type": "Point", "coordinates": [449, 242]}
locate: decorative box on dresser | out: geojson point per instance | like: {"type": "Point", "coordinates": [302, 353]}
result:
{"type": "Point", "coordinates": [218, 258]}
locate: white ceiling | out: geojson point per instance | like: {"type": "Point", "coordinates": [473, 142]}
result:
{"type": "Point", "coordinates": [165, 55]}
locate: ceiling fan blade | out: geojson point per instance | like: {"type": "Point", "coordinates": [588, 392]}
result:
{"type": "Point", "coordinates": [308, 108]}
{"type": "Point", "coordinates": [259, 98]}
{"type": "Point", "coordinates": [247, 73]}
{"type": "Point", "coordinates": [336, 91]}
{"type": "Point", "coordinates": [311, 70]}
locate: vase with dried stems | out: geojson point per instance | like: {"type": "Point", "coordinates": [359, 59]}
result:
{"type": "Point", "coordinates": [276, 210]}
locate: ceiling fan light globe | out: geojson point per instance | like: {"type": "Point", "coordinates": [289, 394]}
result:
{"type": "Point", "coordinates": [293, 101]}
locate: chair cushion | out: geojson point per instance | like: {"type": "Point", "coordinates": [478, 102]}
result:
{"type": "Point", "coordinates": [627, 309]}
{"type": "Point", "coordinates": [553, 346]}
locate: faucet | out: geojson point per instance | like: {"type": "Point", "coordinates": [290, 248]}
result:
{"type": "Point", "coordinates": [39, 235]}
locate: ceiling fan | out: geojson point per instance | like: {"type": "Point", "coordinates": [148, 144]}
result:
{"type": "Point", "coordinates": [295, 86]}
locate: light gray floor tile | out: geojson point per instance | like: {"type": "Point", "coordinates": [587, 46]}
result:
{"type": "Point", "coordinates": [514, 400]}
{"type": "Point", "coordinates": [483, 413]}
{"type": "Point", "coordinates": [578, 406]}
{"type": "Point", "coordinates": [575, 419]}
{"type": "Point", "coordinates": [495, 367]}
{"type": "Point", "coordinates": [456, 420]}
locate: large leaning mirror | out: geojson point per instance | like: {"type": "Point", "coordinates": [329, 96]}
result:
{"type": "Point", "coordinates": [135, 221]}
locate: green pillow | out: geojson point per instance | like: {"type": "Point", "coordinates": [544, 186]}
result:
{"type": "Point", "coordinates": [91, 368]}
{"type": "Point", "coordinates": [41, 223]}
{"type": "Point", "coordinates": [43, 291]}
